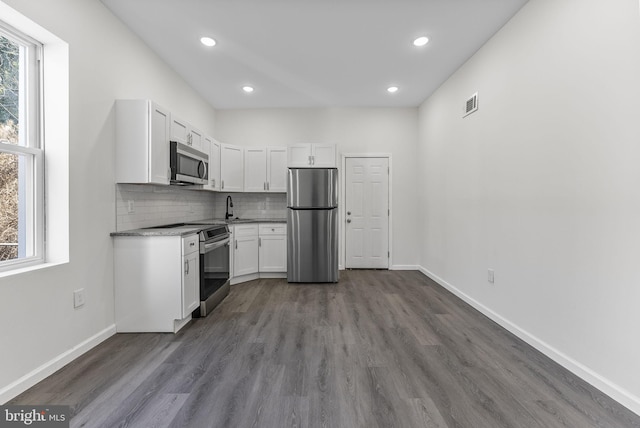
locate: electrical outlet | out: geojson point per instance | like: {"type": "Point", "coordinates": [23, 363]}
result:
{"type": "Point", "coordinates": [78, 298]}
{"type": "Point", "coordinates": [490, 276]}
{"type": "Point", "coordinates": [130, 207]}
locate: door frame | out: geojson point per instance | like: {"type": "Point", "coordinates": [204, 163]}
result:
{"type": "Point", "coordinates": [343, 191]}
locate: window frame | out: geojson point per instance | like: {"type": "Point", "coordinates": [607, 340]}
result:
{"type": "Point", "coordinates": [30, 145]}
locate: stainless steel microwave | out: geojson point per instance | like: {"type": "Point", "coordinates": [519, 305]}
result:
{"type": "Point", "coordinates": [188, 165]}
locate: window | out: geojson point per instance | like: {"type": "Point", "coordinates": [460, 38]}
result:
{"type": "Point", "coordinates": [21, 151]}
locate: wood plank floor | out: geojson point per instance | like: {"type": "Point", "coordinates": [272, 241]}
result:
{"type": "Point", "coordinates": [378, 349]}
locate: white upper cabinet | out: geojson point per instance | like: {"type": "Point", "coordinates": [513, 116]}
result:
{"type": "Point", "coordinates": [324, 156]}
{"type": "Point", "coordinates": [299, 155]}
{"type": "Point", "coordinates": [214, 163]}
{"type": "Point", "coordinates": [277, 169]}
{"type": "Point", "coordinates": [255, 169]}
{"type": "Point", "coordinates": [312, 156]}
{"type": "Point", "coordinates": [142, 142]}
{"type": "Point", "coordinates": [196, 138]}
{"type": "Point", "coordinates": [265, 169]}
{"type": "Point", "coordinates": [179, 130]}
{"type": "Point", "coordinates": [183, 132]}
{"type": "Point", "coordinates": [231, 168]}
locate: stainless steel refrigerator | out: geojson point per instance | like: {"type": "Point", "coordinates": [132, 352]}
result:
{"type": "Point", "coordinates": [312, 225]}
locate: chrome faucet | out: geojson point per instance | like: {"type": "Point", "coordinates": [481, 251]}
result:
{"type": "Point", "coordinates": [228, 215]}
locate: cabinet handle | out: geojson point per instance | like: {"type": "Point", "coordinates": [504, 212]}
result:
{"type": "Point", "coordinates": [186, 267]}
{"type": "Point", "coordinates": [309, 160]}
{"type": "Point", "coordinates": [236, 244]}
{"type": "Point", "coordinates": [213, 182]}
{"type": "Point", "coordinates": [264, 185]}
{"type": "Point", "coordinates": [222, 184]}
{"type": "Point", "coordinates": [191, 244]}
{"type": "Point", "coordinates": [259, 242]}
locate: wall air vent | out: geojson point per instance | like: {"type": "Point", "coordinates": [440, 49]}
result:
{"type": "Point", "coordinates": [471, 105]}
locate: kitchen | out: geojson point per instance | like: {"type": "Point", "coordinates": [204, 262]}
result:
{"type": "Point", "coordinates": [431, 229]}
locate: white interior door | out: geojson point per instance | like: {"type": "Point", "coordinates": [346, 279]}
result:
{"type": "Point", "coordinates": [367, 213]}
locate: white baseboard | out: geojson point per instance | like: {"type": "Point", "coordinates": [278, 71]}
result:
{"type": "Point", "coordinates": [621, 395]}
{"type": "Point", "coordinates": [47, 369]}
{"type": "Point", "coordinates": [404, 267]}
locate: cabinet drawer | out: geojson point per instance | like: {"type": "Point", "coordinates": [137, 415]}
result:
{"type": "Point", "coordinates": [190, 244]}
{"type": "Point", "coordinates": [273, 229]}
{"type": "Point", "coordinates": [245, 230]}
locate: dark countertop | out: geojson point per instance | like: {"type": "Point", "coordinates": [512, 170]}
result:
{"type": "Point", "coordinates": [193, 227]}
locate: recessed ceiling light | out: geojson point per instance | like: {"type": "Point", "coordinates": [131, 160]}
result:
{"type": "Point", "coordinates": [421, 41]}
{"type": "Point", "coordinates": [208, 41]}
{"type": "Point", "coordinates": [247, 89]}
{"type": "Point", "coordinates": [392, 89]}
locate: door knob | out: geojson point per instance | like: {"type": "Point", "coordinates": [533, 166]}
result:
{"type": "Point", "coordinates": [348, 212]}
{"type": "Point", "coordinates": [348, 220]}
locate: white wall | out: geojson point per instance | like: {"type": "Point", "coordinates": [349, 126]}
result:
{"type": "Point", "coordinates": [542, 184]}
{"type": "Point", "coordinates": [354, 130]}
{"type": "Point", "coordinates": [39, 323]}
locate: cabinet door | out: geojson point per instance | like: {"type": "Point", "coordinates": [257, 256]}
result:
{"type": "Point", "coordinates": [159, 172]}
{"type": "Point", "coordinates": [179, 130]}
{"type": "Point", "coordinates": [190, 283]}
{"type": "Point", "coordinates": [323, 155]}
{"type": "Point", "coordinates": [255, 169]}
{"type": "Point", "coordinates": [245, 258]}
{"type": "Point", "coordinates": [231, 168]}
{"type": "Point", "coordinates": [273, 253]}
{"type": "Point", "coordinates": [214, 164]}
{"type": "Point", "coordinates": [277, 169]}
{"type": "Point", "coordinates": [196, 139]}
{"type": "Point", "coordinates": [232, 250]}
{"type": "Point", "coordinates": [299, 155]}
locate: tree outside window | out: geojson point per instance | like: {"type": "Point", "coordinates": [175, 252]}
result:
{"type": "Point", "coordinates": [9, 121]}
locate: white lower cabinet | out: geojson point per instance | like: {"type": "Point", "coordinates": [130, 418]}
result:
{"type": "Point", "coordinates": [156, 282]}
{"type": "Point", "coordinates": [272, 243]}
{"type": "Point", "coordinates": [190, 275]}
{"type": "Point", "coordinates": [259, 251]}
{"type": "Point", "coordinates": [245, 259]}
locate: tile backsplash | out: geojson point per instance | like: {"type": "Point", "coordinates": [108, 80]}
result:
{"type": "Point", "coordinates": [252, 205]}
{"type": "Point", "coordinates": [158, 205]}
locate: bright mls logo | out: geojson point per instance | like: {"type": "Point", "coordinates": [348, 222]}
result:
{"type": "Point", "coordinates": [34, 416]}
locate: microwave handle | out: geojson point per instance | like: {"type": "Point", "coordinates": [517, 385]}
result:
{"type": "Point", "coordinates": [204, 169]}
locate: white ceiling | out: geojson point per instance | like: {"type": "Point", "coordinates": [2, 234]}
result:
{"type": "Point", "coordinates": [315, 53]}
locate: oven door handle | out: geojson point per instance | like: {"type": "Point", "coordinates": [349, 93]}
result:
{"type": "Point", "coordinates": [216, 245]}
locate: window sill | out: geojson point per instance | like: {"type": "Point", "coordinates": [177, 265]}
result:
{"type": "Point", "coordinates": [32, 268]}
